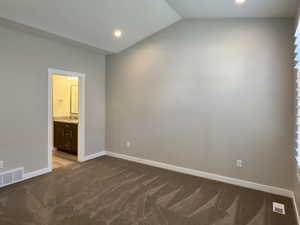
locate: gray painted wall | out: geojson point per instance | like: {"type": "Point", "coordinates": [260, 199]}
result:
{"type": "Point", "coordinates": [203, 93]}
{"type": "Point", "coordinates": [25, 59]}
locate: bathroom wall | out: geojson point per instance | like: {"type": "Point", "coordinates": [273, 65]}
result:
{"type": "Point", "coordinates": [62, 96]}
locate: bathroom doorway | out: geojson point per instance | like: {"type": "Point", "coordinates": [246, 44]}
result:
{"type": "Point", "coordinates": [66, 133]}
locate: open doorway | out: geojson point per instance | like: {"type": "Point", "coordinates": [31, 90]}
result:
{"type": "Point", "coordinates": [65, 118]}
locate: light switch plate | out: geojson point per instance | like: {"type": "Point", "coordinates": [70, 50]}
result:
{"type": "Point", "coordinates": [1, 164]}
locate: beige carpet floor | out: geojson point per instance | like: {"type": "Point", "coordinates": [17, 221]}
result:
{"type": "Point", "coordinates": [109, 191]}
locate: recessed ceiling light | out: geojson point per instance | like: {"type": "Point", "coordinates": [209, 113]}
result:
{"type": "Point", "coordinates": [240, 2]}
{"type": "Point", "coordinates": [118, 33]}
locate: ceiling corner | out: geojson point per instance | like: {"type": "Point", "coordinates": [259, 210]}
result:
{"type": "Point", "coordinates": [174, 9]}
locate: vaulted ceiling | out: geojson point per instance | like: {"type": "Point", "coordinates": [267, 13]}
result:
{"type": "Point", "coordinates": [93, 22]}
{"type": "Point", "coordinates": [228, 8]}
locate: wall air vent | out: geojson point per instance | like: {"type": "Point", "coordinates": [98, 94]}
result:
{"type": "Point", "coordinates": [278, 208]}
{"type": "Point", "coordinates": [11, 177]}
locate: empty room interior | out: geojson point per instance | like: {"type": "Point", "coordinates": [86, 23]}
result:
{"type": "Point", "coordinates": [142, 112]}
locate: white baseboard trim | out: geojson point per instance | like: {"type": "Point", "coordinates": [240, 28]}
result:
{"type": "Point", "coordinates": [48, 170]}
{"type": "Point", "coordinates": [94, 156]}
{"type": "Point", "coordinates": [211, 176]}
{"type": "Point", "coordinates": [36, 173]}
{"type": "Point", "coordinates": [296, 208]}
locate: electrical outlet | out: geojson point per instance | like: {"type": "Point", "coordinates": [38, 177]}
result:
{"type": "Point", "coordinates": [128, 144]}
{"type": "Point", "coordinates": [1, 164]}
{"type": "Point", "coordinates": [239, 163]}
{"type": "Point", "coordinates": [278, 208]}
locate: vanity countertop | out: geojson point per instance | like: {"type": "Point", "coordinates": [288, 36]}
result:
{"type": "Point", "coordinates": [66, 120]}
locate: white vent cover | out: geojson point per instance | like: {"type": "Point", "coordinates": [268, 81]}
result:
{"type": "Point", "coordinates": [278, 208]}
{"type": "Point", "coordinates": [11, 177]}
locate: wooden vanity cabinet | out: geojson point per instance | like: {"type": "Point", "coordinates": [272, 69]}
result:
{"type": "Point", "coordinates": [66, 137]}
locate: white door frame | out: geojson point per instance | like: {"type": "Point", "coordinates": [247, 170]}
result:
{"type": "Point", "coordinates": [81, 128]}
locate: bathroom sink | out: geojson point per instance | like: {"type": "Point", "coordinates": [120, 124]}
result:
{"type": "Point", "coordinates": [72, 119]}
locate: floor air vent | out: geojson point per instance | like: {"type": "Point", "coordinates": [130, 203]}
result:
{"type": "Point", "coordinates": [278, 208]}
{"type": "Point", "coordinates": [11, 177]}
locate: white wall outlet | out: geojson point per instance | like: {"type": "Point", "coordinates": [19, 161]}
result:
{"type": "Point", "coordinates": [239, 163]}
{"type": "Point", "coordinates": [128, 144]}
{"type": "Point", "coordinates": [1, 164]}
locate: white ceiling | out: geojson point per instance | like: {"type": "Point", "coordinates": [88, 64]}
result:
{"type": "Point", "coordinates": [228, 8]}
{"type": "Point", "coordinates": [92, 22]}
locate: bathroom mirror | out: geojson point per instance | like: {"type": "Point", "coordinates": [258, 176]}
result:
{"type": "Point", "coordinates": [74, 99]}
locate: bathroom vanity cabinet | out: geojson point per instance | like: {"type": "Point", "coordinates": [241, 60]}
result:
{"type": "Point", "coordinates": [66, 137]}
